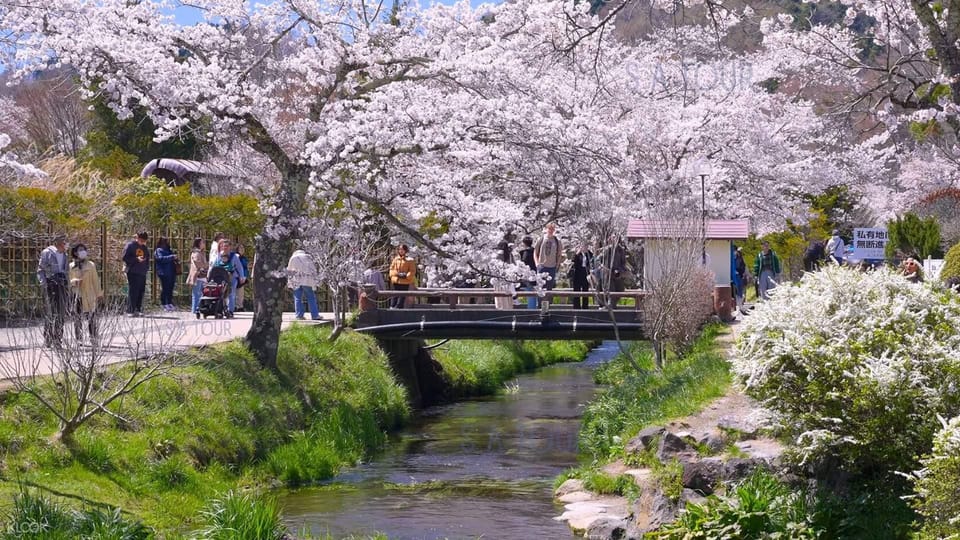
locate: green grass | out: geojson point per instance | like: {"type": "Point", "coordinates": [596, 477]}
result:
{"type": "Point", "coordinates": [34, 516]}
{"type": "Point", "coordinates": [218, 425]}
{"type": "Point", "coordinates": [243, 516]}
{"type": "Point", "coordinates": [481, 367]}
{"type": "Point", "coordinates": [226, 425]}
{"type": "Point", "coordinates": [634, 400]}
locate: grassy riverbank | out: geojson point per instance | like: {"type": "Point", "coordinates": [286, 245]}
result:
{"type": "Point", "coordinates": [224, 424]}
{"type": "Point", "coordinates": [633, 400]}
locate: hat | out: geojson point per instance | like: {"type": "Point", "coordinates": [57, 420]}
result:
{"type": "Point", "coordinates": [836, 232]}
{"type": "Point", "coordinates": [740, 249]}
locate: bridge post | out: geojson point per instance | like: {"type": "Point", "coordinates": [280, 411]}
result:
{"type": "Point", "coordinates": [419, 373]}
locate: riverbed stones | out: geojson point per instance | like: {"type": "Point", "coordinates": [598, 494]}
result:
{"type": "Point", "coordinates": [608, 529]}
{"type": "Point", "coordinates": [670, 446]}
{"type": "Point", "coordinates": [571, 485]}
{"type": "Point", "coordinates": [644, 439]}
{"type": "Point", "coordinates": [702, 475]}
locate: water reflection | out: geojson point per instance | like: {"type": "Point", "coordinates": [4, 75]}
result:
{"type": "Point", "coordinates": [479, 468]}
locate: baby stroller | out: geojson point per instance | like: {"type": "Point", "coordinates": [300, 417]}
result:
{"type": "Point", "coordinates": [214, 299]}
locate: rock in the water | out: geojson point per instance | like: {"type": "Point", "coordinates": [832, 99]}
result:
{"type": "Point", "coordinates": [608, 529]}
{"type": "Point", "coordinates": [670, 445]}
{"type": "Point", "coordinates": [701, 476]}
{"type": "Point", "coordinates": [643, 439]}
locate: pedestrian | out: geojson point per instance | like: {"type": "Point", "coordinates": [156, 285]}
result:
{"type": "Point", "coordinates": [527, 258]}
{"type": "Point", "coordinates": [836, 248]}
{"type": "Point", "coordinates": [548, 254]}
{"type": "Point", "coordinates": [215, 248]}
{"type": "Point", "coordinates": [164, 263]}
{"type": "Point", "coordinates": [302, 278]}
{"type": "Point", "coordinates": [741, 278]}
{"type": "Point", "coordinates": [501, 284]}
{"type": "Point", "coordinates": [88, 294]}
{"type": "Point", "coordinates": [52, 274]}
{"type": "Point", "coordinates": [813, 255]}
{"type": "Point", "coordinates": [136, 257]}
{"type": "Point", "coordinates": [767, 269]}
{"type": "Point", "coordinates": [244, 265]}
{"type": "Point", "coordinates": [402, 273]}
{"type": "Point", "coordinates": [912, 269]}
{"type": "Point", "coordinates": [580, 273]}
{"type": "Point", "coordinates": [237, 277]}
{"type": "Point", "coordinates": [197, 276]}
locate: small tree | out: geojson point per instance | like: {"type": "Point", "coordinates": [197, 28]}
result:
{"type": "Point", "coordinates": [910, 235]}
{"type": "Point", "coordinates": [680, 285]}
{"type": "Point", "coordinates": [82, 378]}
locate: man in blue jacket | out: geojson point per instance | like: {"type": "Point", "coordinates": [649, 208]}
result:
{"type": "Point", "coordinates": [136, 257]}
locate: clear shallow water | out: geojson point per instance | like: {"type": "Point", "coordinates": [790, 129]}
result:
{"type": "Point", "coordinates": [482, 468]}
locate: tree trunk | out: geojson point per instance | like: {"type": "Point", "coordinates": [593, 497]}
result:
{"type": "Point", "coordinates": [274, 247]}
{"type": "Point", "coordinates": [269, 285]}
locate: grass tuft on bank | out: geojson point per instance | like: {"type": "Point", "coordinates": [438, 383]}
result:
{"type": "Point", "coordinates": [481, 367]}
{"type": "Point", "coordinates": [633, 400]}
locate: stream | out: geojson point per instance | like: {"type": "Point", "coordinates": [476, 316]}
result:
{"type": "Point", "coordinates": [481, 468]}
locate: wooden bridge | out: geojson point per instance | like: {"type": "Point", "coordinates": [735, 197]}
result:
{"type": "Point", "coordinates": [468, 314]}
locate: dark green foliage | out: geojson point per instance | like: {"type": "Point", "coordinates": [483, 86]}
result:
{"type": "Point", "coordinates": [34, 516]}
{"type": "Point", "coordinates": [951, 264]}
{"type": "Point", "coordinates": [243, 516]}
{"type": "Point", "coordinates": [762, 506]}
{"type": "Point", "coordinates": [911, 236]}
{"type": "Point", "coordinates": [124, 146]}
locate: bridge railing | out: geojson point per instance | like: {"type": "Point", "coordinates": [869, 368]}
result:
{"type": "Point", "coordinates": [454, 298]}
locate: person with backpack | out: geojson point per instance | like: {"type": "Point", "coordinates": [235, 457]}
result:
{"type": "Point", "coordinates": [85, 284]}
{"type": "Point", "coordinates": [136, 257]}
{"type": "Point", "coordinates": [836, 248]}
{"type": "Point", "coordinates": [548, 254]}
{"type": "Point", "coordinates": [52, 274]}
{"type": "Point", "coordinates": [767, 269]}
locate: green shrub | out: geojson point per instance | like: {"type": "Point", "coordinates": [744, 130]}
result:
{"type": "Point", "coordinates": [937, 485]}
{"type": "Point", "coordinates": [857, 366]}
{"type": "Point", "coordinates": [911, 236]}
{"type": "Point", "coordinates": [173, 472]}
{"type": "Point", "coordinates": [758, 507]}
{"type": "Point", "coordinates": [243, 516]}
{"type": "Point", "coordinates": [951, 264]}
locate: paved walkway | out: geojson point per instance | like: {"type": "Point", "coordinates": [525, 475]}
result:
{"type": "Point", "coordinates": [124, 338]}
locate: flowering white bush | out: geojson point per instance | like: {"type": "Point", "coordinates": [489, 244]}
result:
{"type": "Point", "coordinates": [856, 366]}
{"type": "Point", "coordinates": [938, 485]}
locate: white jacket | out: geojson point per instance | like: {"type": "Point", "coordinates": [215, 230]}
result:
{"type": "Point", "coordinates": [302, 270]}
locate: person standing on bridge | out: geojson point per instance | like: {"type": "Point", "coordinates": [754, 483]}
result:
{"type": "Point", "coordinates": [526, 257]}
{"type": "Point", "coordinates": [580, 273]}
{"type": "Point", "coordinates": [52, 273]}
{"type": "Point", "coordinates": [302, 278]}
{"type": "Point", "coordinates": [402, 272]}
{"type": "Point", "coordinates": [548, 254]}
